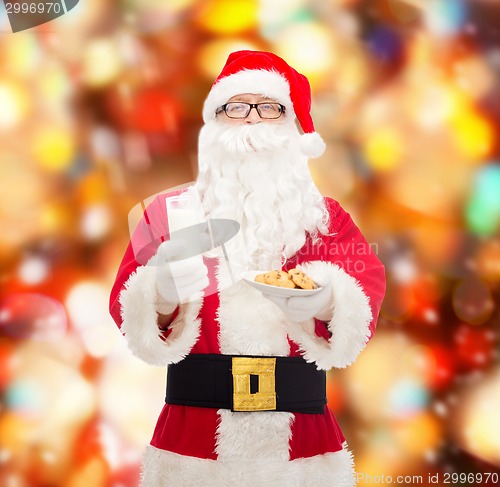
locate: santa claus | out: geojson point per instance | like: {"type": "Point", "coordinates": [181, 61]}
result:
{"type": "Point", "coordinates": [246, 401]}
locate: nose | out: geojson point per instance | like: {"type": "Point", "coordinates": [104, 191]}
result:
{"type": "Point", "coordinates": [253, 116]}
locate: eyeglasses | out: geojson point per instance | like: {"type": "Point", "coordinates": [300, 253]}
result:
{"type": "Point", "coordinates": [242, 110]}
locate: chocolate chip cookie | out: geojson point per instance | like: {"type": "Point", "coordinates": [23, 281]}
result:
{"type": "Point", "coordinates": [301, 280]}
{"type": "Point", "coordinates": [275, 278]}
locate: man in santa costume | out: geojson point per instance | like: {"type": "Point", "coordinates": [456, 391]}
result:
{"type": "Point", "coordinates": [246, 402]}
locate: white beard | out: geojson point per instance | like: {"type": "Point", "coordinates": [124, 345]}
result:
{"type": "Point", "coordinates": [258, 176]}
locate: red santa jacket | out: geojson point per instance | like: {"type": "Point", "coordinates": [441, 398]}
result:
{"type": "Point", "coordinates": [237, 320]}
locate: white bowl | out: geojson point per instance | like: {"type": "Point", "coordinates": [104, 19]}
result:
{"type": "Point", "coordinates": [249, 278]}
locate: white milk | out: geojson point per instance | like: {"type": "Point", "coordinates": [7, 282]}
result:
{"type": "Point", "coordinates": [182, 217]}
{"type": "Point", "coordinates": [184, 211]}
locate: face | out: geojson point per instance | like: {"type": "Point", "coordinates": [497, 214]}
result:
{"type": "Point", "coordinates": [253, 117]}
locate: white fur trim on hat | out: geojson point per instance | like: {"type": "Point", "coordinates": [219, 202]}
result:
{"type": "Point", "coordinates": [256, 81]}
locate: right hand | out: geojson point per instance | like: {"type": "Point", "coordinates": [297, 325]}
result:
{"type": "Point", "coordinates": [179, 281]}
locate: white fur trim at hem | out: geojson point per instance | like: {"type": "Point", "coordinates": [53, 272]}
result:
{"type": "Point", "coordinates": [138, 302]}
{"type": "Point", "coordinates": [166, 469]}
{"type": "Point", "coordinates": [350, 325]}
{"type": "Point", "coordinates": [256, 81]}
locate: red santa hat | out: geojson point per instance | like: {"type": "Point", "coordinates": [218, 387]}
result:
{"type": "Point", "coordinates": [266, 74]}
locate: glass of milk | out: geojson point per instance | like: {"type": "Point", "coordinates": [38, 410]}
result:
{"type": "Point", "coordinates": [184, 210]}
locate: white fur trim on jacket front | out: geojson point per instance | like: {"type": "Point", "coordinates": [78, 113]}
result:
{"type": "Point", "coordinates": [249, 324]}
{"type": "Point", "coordinates": [166, 469]}
{"type": "Point", "coordinates": [138, 302]}
{"type": "Point", "coordinates": [349, 326]}
{"type": "Point", "coordinates": [261, 435]}
{"type": "Point", "coordinates": [256, 81]}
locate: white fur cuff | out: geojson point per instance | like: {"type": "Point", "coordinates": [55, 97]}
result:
{"type": "Point", "coordinates": [350, 323]}
{"type": "Point", "coordinates": [139, 304]}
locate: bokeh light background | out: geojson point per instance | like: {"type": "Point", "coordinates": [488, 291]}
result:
{"type": "Point", "coordinates": [101, 108]}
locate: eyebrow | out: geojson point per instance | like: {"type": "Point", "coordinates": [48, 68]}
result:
{"type": "Point", "coordinates": [241, 100]}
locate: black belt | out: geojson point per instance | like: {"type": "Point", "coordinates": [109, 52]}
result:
{"type": "Point", "coordinates": [247, 383]}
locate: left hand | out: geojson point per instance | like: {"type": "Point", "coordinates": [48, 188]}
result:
{"type": "Point", "coordinates": [297, 308]}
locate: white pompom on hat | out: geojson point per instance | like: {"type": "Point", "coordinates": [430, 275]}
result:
{"type": "Point", "coordinates": [266, 74]}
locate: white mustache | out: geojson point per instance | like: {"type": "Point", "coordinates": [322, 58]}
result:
{"type": "Point", "coordinates": [251, 138]}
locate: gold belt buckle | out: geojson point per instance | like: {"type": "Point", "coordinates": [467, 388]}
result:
{"type": "Point", "coordinates": [265, 398]}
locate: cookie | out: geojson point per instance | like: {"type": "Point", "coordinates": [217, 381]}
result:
{"type": "Point", "coordinates": [301, 280]}
{"type": "Point", "coordinates": [275, 278]}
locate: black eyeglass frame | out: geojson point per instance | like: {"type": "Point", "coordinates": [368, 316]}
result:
{"type": "Point", "coordinates": [251, 105]}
